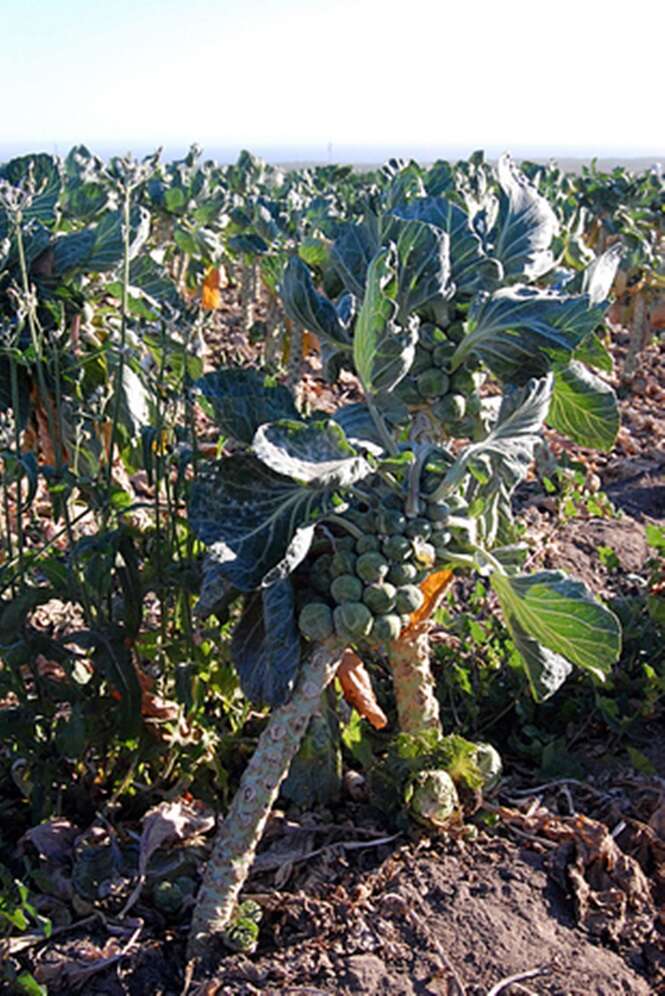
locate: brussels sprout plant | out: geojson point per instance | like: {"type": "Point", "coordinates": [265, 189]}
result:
{"type": "Point", "coordinates": [330, 532]}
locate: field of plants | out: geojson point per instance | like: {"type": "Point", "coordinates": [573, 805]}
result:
{"type": "Point", "coordinates": [332, 578]}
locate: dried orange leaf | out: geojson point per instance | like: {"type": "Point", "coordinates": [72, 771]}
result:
{"type": "Point", "coordinates": [211, 298]}
{"type": "Point", "coordinates": [310, 343]}
{"type": "Point", "coordinates": [46, 421]}
{"type": "Point", "coordinates": [433, 588]}
{"type": "Point", "coordinates": [358, 691]}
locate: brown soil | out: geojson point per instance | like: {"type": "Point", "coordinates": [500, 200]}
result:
{"type": "Point", "coordinates": [437, 917]}
{"type": "Point", "coordinates": [432, 920]}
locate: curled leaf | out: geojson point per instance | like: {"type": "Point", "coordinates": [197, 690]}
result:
{"type": "Point", "coordinates": [211, 298]}
{"type": "Point", "coordinates": [168, 823]}
{"type": "Point", "coordinates": [310, 343]}
{"type": "Point", "coordinates": [433, 588]}
{"type": "Point", "coordinates": [358, 691]}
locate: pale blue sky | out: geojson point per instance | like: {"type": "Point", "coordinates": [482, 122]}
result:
{"type": "Point", "coordinates": [577, 76]}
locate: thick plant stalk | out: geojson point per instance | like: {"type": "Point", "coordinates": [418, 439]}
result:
{"type": "Point", "coordinates": [246, 296]}
{"type": "Point", "coordinates": [240, 832]}
{"type": "Point", "coordinates": [417, 704]}
{"type": "Point", "coordinates": [640, 334]}
{"type": "Point", "coordinates": [273, 332]}
{"type": "Point", "coordinates": [295, 333]}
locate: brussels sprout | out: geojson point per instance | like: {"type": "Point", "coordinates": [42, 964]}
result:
{"type": "Point", "coordinates": [386, 628]}
{"type": "Point", "coordinates": [433, 383]}
{"type": "Point", "coordinates": [407, 392]}
{"type": "Point", "coordinates": [242, 931]}
{"type": "Point", "coordinates": [441, 541]}
{"type": "Point", "coordinates": [344, 544]}
{"type": "Point", "coordinates": [352, 620]}
{"type": "Point", "coordinates": [186, 885]}
{"type": "Point", "coordinates": [456, 332]}
{"type": "Point", "coordinates": [409, 599]}
{"type": "Point", "coordinates": [430, 336]}
{"type": "Point", "coordinates": [380, 597]}
{"type": "Point", "coordinates": [322, 564]}
{"type": "Point", "coordinates": [366, 544]}
{"type": "Point", "coordinates": [422, 361]}
{"type": "Point", "coordinates": [397, 548]}
{"type": "Point", "coordinates": [168, 897]}
{"type": "Point", "coordinates": [462, 382]}
{"type": "Point", "coordinates": [438, 511]}
{"type": "Point", "coordinates": [372, 567]}
{"type": "Point", "coordinates": [443, 354]}
{"type": "Point", "coordinates": [402, 574]}
{"type": "Point", "coordinates": [470, 427]}
{"type": "Point", "coordinates": [390, 520]}
{"type": "Point", "coordinates": [432, 798]}
{"type": "Point", "coordinates": [419, 529]}
{"type": "Point", "coordinates": [473, 404]}
{"type": "Point", "coordinates": [315, 622]}
{"type": "Point", "coordinates": [489, 764]}
{"type": "Point", "coordinates": [392, 500]}
{"type": "Point", "coordinates": [452, 408]}
{"type": "Point", "coordinates": [346, 588]}
{"type": "Point", "coordinates": [343, 562]}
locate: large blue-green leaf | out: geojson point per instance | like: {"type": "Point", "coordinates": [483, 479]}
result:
{"type": "Point", "coordinates": [36, 240]}
{"type": "Point", "coordinates": [303, 304]}
{"type": "Point", "coordinates": [257, 523]}
{"type": "Point", "coordinates": [440, 178]}
{"type": "Point", "coordinates": [525, 225]}
{"type": "Point", "coordinates": [100, 247]}
{"type": "Point", "coordinates": [216, 594]}
{"type": "Point", "coordinates": [248, 244]}
{"type": "Point", "coordinates": [87, 201]}
{"type": "Point", "coordinates": [492, 468]}
{"type": "Point", "coordinates": [593, 353]}
{"type": "Point", "coordinates": [584, 408]}
{"type": "Point", "coordinates": [545, 670]}
{"type": "Point", "coordinates": [351, 254]}
{"type": "Point", "coordinates": [520, 332]}
{"type": "Point", "coordinates": [45, 174]}
{"type": "Point", "coordinates": [266, 645]}
{"type": "Point", "coordinates": [599, 275]}
{"type": "Point", "coordinates": [133, 400]}
{"type": "Point", "coordinates": [465, 250]}
{"type": "Point", "coordinates": [510, 445]}
{"type": "Point", "coordinates": [153, 280]}
{"type": "Point", "coordinates": [562, 615]}
{"type": "Point", "coordinates": [423, 264]}
{"type": "Point", "coordinates": [383, 351]}
{"type": "Point", "coordinates": [243, 399]}
{"type": "Point", "coordinates": [314, 453]}
{"type": "Point", "coordinates": [359, 426]}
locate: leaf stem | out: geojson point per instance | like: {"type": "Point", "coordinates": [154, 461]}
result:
{"type": "Point", "coordinates": [339, 520]}
{"type": "Point", "coordinates": [120, 368]}
{"type": "Point", "coordinates": [386, 439]}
